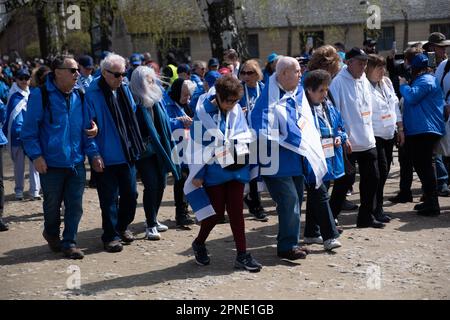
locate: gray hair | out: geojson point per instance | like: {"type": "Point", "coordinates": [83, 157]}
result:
{"type": "Point", "coordinates": [111, 60]}
{"type": "Point", "coordinates": [286, 63]}
{"type": "Point", "coordinates": [145, 93]}
{"type": "Point", "coordinates": [190, 85]}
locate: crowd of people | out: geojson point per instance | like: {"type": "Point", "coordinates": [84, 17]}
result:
{"type": "Point", "coordinates": [300, 125]}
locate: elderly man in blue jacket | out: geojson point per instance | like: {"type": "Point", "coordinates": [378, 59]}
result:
{"type": "Point", "coordinates": [54, 136]}
{"type": "Point", "coordinates": [119, 141]}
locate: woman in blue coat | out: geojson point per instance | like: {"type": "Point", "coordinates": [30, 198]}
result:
{"type": "Point", "coordinates": [154, 164]}
{"type": "Point", "coordinates": [423, 121]}
{"type": "Point", "coordinates": [320, 226]}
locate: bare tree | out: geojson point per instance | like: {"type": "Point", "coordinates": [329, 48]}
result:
{"type": "Point", "coordinates": [224, 33]}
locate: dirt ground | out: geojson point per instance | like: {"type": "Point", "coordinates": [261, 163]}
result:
{"type": "Point", "coordinates": [409, 259]}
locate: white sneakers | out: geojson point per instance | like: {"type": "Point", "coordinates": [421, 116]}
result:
{"type": "Point", "coordinates": [331, 244]}
{"type": "Point", "coordinates": [152, 234]}
{"type": "Point", "coordinates": [313, 240]}
{"type": "Point", "coordinates": [161, 227]}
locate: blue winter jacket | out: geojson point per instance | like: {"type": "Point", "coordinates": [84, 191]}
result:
{"type": "Point", "coordinates": [335, 164]}
{"type": "Point", "coordinates": [107, 140]}
{"type": "Point", "coordinates": [423, 110]}
{"type": "Point", "coordinates": [16, 125]}
{"type": "Point", "coordinates": [57, 133]}
{"type": "Point", "coordinates": [3, 139]}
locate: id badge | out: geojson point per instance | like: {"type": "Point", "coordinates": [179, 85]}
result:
{"type": "Point", "coordinates": [366, 116]}
{"type": "Point", "coordinates": [241, 149]}
{"type": "Point", "coordinates": [223, 156]}
{"type": "Point", "coordinates": [387, 119]}
{"type": "Point", "coordinates": [328, 147]}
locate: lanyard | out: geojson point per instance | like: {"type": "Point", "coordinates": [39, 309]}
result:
{"type": "Point", "coordinates": [227, 123]}
{"type": "Point", "coordinates": [325, 119]}
{"type": "Point", "coordinates": [247, 99]}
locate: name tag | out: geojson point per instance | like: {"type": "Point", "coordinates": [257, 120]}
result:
{"type": "Point", "coordinates": [328, 147]}
{"type": "Point", "coordinates": [366, 116]}
{"type": "Point", "coordinates": [224, 156]}
{"type": "Point", "coordinates": [388, 120]}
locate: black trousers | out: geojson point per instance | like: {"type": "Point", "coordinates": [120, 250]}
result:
{"type": "Point", "coordinates": [368, 184]}
{"type": "Point", "coordinates": [181, 205]}
{"type": "Point", "coordinates": [406, 171]}
{"type": "Point", "coordinates": [420, 148]}
{"type": "Point", "coordinates": [384, 154]}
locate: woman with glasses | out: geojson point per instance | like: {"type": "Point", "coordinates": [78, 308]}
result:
{"type": "Point", "coordinates": [251, 76]}
{"type": "Point", "coordinates": [217, 183]}
{"type": "Point", "coordinates": [16, 109]}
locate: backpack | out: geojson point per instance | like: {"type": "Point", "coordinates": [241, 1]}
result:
{"type": "Point", "coordinates": [46, 100]}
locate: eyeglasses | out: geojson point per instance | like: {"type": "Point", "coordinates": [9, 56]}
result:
{"type": "Point", "coordinates": [118, 74]}
{"type": "Point", "coordinates": [248, 73]}
{"type": "Point", "coordinates": [23, 78]}
{"type": "Point", "coordinates": [72, 70]}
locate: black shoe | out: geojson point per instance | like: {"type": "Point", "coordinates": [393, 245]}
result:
{"type": "Point", "coordinates": [183, 220]}
{"type": "Point", "coordinates": [260, 214]}
{"type": "Point", "coordinates": [246, 261]}
{"type": "Point", "coordinates": [400, 198]}
{"type": "Point", "coordinates": [73, 253]}
{"type": "Point", "coordinates": [126, 236]}
{"type": "Point", "coordinates": [54, 242]}
{"type": "Point", "coordinates": [420, 206]}
{"type": "Point", "coordinates": [349, 206]}
{"type": "Point", "coordinates": [113, 246]}
{"type": "Point", "coordinates": [3, 226]}
{"type": "Point", "coordinates": [382, 217]}
{"type": "Point", "coordinates": [372, 224]}
{"type": "Point", "coordinates": [201, 254]}
{"type": "Point", "coordinates": [429, 212]}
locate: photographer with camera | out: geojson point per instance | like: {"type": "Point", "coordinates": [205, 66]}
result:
{"type": "Point", "coordinates": [423, 118]}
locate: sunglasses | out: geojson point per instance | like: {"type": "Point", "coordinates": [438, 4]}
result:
{"type": "Point", "coordinates": [248, 73]}
{"type": "Point", "coordinates": [72, 70]}
{"type": "Point", "coordinates": [23, 78]}
{"type": "Point", "coordinates": [118, 74]}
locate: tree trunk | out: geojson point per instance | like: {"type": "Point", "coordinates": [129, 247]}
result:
{"type": "Point", "coordinates": [42, 24]}
{"type": "Point", "coordinates": [223, 30]}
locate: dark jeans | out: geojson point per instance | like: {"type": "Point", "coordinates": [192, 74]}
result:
{"type": "Point", "coordinates": [368, 184]}
{"type": "Point", "coordinates": [117, 213]}
{"type": "Point", "coordinates": [441, 172]}
{"type": "Point", "coordinates": [181, 205]}
{"type": "Point", "coordinates": [384, 152]}
{"type": "Point", "coordinates": [406, 171]}
{"type": "Point", "coordinates": [319, 218]}
{"type": "Point", "coordinates": [2, 187]}
{"type": "Point", "coordinates": [154, 181]}
{"type": "Point", "coordinates": [420, 148]}
{"type": "Point", "coordinates": [66, 184]}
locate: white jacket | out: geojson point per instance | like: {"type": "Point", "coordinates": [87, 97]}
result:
{"type": "Point", "coordinates": [353, 99]}
{"type": "Point", "coordinates": [386, 112]}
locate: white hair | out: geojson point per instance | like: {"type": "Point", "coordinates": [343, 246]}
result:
{"type": "Point", "coordinates": [286, 63]}
{"type": "Point", "coordinates": [145, 93]}
{"type": "Point", "coordinates": [111, 60]}
{"type": "Point", "coordinates": [190, 85]}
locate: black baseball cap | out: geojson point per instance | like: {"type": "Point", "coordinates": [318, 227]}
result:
{"type": "Point", "coordinates": [356, 53]}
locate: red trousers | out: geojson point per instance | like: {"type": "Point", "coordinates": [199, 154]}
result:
{"type": "Point", "coordinates": [227, 196]}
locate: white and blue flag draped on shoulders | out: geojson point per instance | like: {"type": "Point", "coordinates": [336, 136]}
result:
{"type": "Point", "coordinates": [292, 128]}
{"type": "Point", "coordinates": [203, 152]}
{"type": "Point", "coordinates": [17, 109]}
